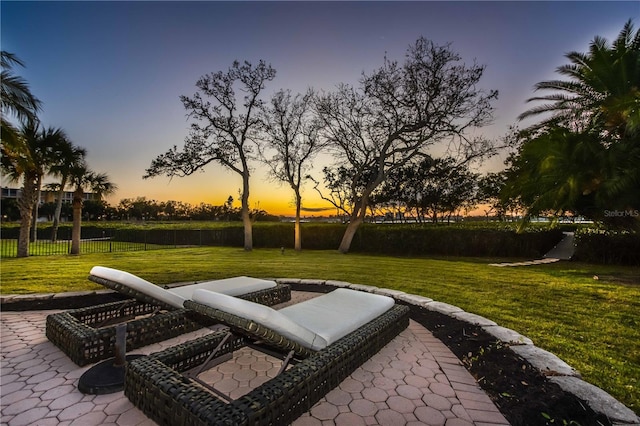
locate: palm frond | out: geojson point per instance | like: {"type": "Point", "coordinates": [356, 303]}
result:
{"type": "Point", "coordinates": [15, 96]}
{"type": "Point", "coordinates": [7, 60]}
{"type": "Point", "coordinates": [600, 85]}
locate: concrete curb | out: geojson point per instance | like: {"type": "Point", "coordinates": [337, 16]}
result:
{"type": "Point", "coordinates": [48, 301]}
{"type": "Point", "coordinates": [559, 372]}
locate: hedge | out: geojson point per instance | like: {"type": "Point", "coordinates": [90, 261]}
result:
{"type": "Point", "coordinates": [492, 240]}
{"type": "Point", "coordinates": [414, 240]}
{"type": "Point", "coordinates": [607, 247]}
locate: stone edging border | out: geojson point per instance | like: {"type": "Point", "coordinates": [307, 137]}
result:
{"type": "Point", "coordinates": [558, 371]}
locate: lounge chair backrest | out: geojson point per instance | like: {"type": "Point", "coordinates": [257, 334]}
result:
{"type": "Point", "coordinates": [138, 284]}
{"type": "Point", "coordinates": [263, 315]}
{"type": "Point", "coordinates": [235, 286]}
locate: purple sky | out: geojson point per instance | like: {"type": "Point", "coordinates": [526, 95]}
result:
{"type": "Point", "coordinates": [111, 73]}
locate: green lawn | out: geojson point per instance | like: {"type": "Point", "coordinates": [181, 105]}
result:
{"type": "Point", "coordinates": [593, 324]}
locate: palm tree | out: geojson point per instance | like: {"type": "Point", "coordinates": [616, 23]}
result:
{"type": "Point", "coordinates": [27, 160]}
{"type": "Point", "coordinates": [16, 99]}
{"type": "Point", "coordinates": [558, 171]}
{"type": "Point", "coordinates": [588, 147]}
{"type": "Point", "coordinates": [81, 177]}
{"type": "Point", "coordinates": [603, 90]}
{"type": "Point", "coordinates": [68, 157]}
{"type": "Point", "coordinates": [50, 142]}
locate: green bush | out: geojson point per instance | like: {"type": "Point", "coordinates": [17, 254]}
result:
{"type": "Point", "coordinates": [454, 241]}
{"type": "Point", "coordinates": [607, 247]}
{"type": "Point", "coordinates": [272, 235]}
{"type": "Point", "coordinates": [230, 235]}
{"type": "Point", "coordinates": [414, 239]}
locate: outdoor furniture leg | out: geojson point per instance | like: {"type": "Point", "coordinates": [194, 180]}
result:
{"type": "Point", "coordinates": [286, 361]}
{"type": "Point", "coordinates": [121, 346]}
{"type": "Point", "coordinates": [193, 374]}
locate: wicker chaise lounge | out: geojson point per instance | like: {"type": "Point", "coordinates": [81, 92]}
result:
{"type": "Point", "coordinates": [87, 335]}
{"type": "Point", "coordinates": [328, 337]}
{"type": "Point", "coordinates": [254, 289]}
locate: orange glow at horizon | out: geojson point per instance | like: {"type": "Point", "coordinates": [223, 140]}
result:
{"type": "Point", "coordinates": [274, 198]}
{"type": "Point", "coordinates": [278, 202]}
{"type": "Point", "coordinates": [215, 185]}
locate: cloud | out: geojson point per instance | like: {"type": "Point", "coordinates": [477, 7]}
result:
{"type": "Point", "coordinates": [316, 209]}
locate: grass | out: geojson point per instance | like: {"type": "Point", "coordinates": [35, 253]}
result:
{"type": "Point", "coordinates": [593, 324]}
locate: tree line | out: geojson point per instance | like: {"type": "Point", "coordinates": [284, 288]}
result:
{"type": "Point", "coordinates": [138, 209]}
{"type": "Point", "coordinates": [142, 209]}
{"type": "Point", "coordinates": [402, 138]}
{"type": "Point", "coordinates": [389, 120]}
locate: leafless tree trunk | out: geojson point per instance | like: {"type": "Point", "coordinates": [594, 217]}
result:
{"type": "Point", "coordinates": [246, 217]}
{"type": "Point", "coordinates": [36, 205]}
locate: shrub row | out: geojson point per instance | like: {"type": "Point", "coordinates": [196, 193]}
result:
{"type": "Point", "coordinates": [228, 236]}
{"type": "Point", "coordinates": [445, 241]}
{"type": "Point", "coordinates": [592, 246]}
{"type": "Point", "coordinates": [414, 240]}
{"type": "Point", "coordinates": [608, 247]}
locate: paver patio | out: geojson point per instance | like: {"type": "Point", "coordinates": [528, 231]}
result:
{"type": "Point", "coordinates": [414, 380]}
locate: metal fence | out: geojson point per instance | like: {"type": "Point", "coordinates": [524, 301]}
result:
{"type": "Point", "coordinates": [101, 240]}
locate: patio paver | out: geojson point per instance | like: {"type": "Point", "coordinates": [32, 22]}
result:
{"type": "Point", "coordinates": [413, 380]}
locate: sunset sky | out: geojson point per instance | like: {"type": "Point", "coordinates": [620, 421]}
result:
{"type": "Point", "coordinates": [110, 73]}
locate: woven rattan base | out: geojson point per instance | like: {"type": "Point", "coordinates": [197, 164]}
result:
{"type": "Point", "coordinates": [87, 335]}
{"type": "Point", "coordinates": [156, 386]}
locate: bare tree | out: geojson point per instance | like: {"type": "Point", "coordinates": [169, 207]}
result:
{"type": "Point", "coordinates": [397, 113]}
{"type": "Point", "coordinates": [291, 142]}
{"type": "Point", "coordinates": [221, 132]}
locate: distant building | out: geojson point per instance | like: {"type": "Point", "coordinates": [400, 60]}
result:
{"type": "Point", "coordinates": [47, 196]}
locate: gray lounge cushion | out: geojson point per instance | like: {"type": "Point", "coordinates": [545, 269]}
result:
{"type": "Point", "coordinates": [336, 314]}
{"type": "Point", "coordinates": [315, 323]}
{"type": "Point", "coordinates": [176, 296]}
{"type": "Point", "coordinates": [261, 314]}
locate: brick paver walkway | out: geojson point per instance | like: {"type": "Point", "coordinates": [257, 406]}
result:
{"type": "Point", "coordinates": [414, 380]}
{"type": "Point", "coordinates": [562, 251]}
